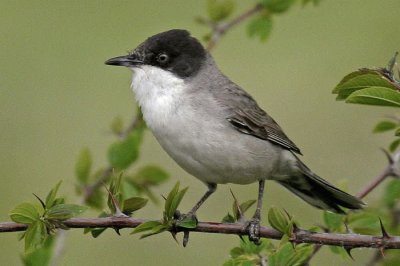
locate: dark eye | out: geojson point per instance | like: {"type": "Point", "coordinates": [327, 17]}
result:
{"type": "Point", "coordinates": [162, 58]}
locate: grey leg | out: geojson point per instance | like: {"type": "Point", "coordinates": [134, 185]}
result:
{"type": "Point", "coordinates": [211, 189]}
{"type": "Point", "coordinates": [254, 223]}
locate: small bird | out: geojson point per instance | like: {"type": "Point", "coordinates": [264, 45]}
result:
{"type": "Point", "coordinates": [214, 129]}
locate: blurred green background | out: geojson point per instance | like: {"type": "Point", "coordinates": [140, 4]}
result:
{"type": "Point", "coordinates": [57, 96]}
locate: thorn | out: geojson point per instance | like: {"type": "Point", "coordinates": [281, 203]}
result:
{"type": "Point", "coordinates": [385, 234]}
{"type": "Point", "coordinates": [348, 231]}
{"type": "Point", "coordinates": [41, 201]}
{"type": "Point", "coordinates": [118, 212]}
{"type": "Point", "coordinates": [348, 251]}
{"type": "Point", "coordinates": [185, 238]}
{"type": "Point", "coordinates": [237, 206]}
{"type": "Point", "coordinates": [388, 156]}
{"type": "Point", "coordinates": [117, 231]}
{"type": "Point", "coordinates": [163, 197]}
{"type": "Point", "coordinates": [173, 233]}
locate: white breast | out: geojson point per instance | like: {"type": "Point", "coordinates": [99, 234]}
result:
{"type": "Point", "coordinates": [198, 139]}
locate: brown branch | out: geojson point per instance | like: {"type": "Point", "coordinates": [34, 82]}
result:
{"type": "Point", "coordinates": [220, 29]}
{"type": "Point", "coordinates": [298, 236]}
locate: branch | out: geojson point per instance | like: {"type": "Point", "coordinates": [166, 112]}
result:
{"type": "Point", "coordinates": [299, 235]}
{"type": "Point", "coordinates": [220, 29]}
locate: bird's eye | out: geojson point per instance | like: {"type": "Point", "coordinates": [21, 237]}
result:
{"type": "Point", "coordinates": [162, 58]}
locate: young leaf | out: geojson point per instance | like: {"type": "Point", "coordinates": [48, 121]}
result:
{"type": "Point", "coordinates": [25, 213]}
{"type": "Point", "coordinates": [168, 201]}
{"type": "Point", "coordinates": [114, 195]}
{"type": "Point", "coordinates": [176, 201]}
{"type": "Point", "coordinates": [228, 219]}
{"type": "Point", "coordinates": [123, 153]}
{"type": "Point", "coordinates": [393, 146]}
{"type": "Point", "coordinates": [188, 222]}
{"type": "Point", "coordinates": [278, 219]}
{"type": "Point", "coordinates": [361, 79]}
{"type": "Point", "coordinates": [51, 197]}
{"type": "Point", "coordinates": [260, 26]}
{"type": "Point", "coordinates": [63, 212]}
{"type": "Point", "coordinates": [133, 204]}
{"type": "Point", "coordinates": [219, 9]}
{"type": "Point", "coordinates": [392, 193]}
{"type": "Point", "coordinates": [117, 125]}
{"type": "Point", "coordinates": [384, 126]}
{"type": "Point", "coordinates": [155, 230]}
{"type": "Point", "coordinates": [375, 96]}
{"type": "Point", "coordinates": [246, 205]}
{"type": "Point", "coordinates": [333, 221]}
{"type": "Point", "coordinates": [364, 223]}
{"type": "Point", "coordinates": [35, 236]}
{"type": "Point", "coordinates": [277, 6]}
{"type": "Point", "coordinates": [146, 226]}
{"type": "Point", "coordinates": [40, 256]}
{"type": "Point", "coordinates": [83, 166]}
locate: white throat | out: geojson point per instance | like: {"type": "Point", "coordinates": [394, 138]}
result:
{"type": "Point", "coordinates": [158, 92]}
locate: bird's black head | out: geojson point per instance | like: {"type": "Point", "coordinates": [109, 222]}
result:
{"type": "Point", "coordinates": [174, 50]}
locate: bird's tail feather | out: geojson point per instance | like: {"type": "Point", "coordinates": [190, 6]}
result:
{"type": "Point", "coordinates": [318, 192]}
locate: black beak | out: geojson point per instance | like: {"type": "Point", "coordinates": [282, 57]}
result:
{"type": "Point", "coordinates": [125, 60]}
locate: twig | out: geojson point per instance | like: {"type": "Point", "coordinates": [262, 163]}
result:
{"type": "Point", "coordinates": [373, 184]}
{"type": "Point", "coordinates": [219, 30]}
{"type": "Point", "coordinates": [299, 236]}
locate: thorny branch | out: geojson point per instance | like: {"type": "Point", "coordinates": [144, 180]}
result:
{"type": "Point", "coordinates": [298, 236]}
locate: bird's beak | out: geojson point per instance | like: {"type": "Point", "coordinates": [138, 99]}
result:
{"type": "Point", "coordinates": [125, 60]}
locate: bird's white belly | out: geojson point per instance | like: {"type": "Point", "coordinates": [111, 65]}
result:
{"type": "Point", "coordinates": [197, 140]}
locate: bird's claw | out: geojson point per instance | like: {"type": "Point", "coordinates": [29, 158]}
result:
{"type": "Point", "coordinates": [253, 227]}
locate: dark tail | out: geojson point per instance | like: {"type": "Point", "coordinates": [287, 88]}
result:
{"type": "Point", "coordinates": [318, 192]}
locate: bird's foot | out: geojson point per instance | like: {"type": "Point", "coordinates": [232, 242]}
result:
{"type": "Point", "coordinates": [187, 221]}
{"type": "Point", "coordinates": [253, 227]}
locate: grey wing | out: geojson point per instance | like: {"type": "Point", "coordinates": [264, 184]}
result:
{"type": "Point", "coordinates": [247, 117]}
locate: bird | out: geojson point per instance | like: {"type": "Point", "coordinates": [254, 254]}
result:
{"type": "Point", "coordinates": [214, 129]}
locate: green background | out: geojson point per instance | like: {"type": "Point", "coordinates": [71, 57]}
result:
{"type": "Point", "coordinates": [57, 96]}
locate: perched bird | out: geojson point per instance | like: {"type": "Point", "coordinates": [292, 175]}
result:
{"type": "Point", "coordinates": [214, 129]}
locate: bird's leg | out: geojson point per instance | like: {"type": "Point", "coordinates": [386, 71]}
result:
{"type": "Point", "coordinates": [192, 213]}
{"type": "Point", "coordinates": [254, 224]}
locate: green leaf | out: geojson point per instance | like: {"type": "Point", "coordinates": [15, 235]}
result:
{"type": "Point", "coordinates": [146, 226]}
{"type": "Point", "coordinates": [288, 256]}
{"type": "Point", "coordinates": [123, 153]}
{"type": "Point", "coordinates": [63, 212]}
{"type": "Point", "coordinates": [40, 256]}
{"type": "Point", "coordinates": [384, 126]}
{"type": "Point", "coordinates": [114, 192]}
{"type": "Point", "coordinates": [392, 193]}
{"type": "Point", "coordinates": [364, 223]}
{"type": "Point", "coordinates": [51, 197]}
{"type": "Point", "coordinates": [133, 204]}
{"type": "Point", "coordinates": [219, 9]}
{"type": "Point", "coordinates": [187, 222]}
{"type": "Point", "coordinates": [375, 96]}
{"type": "Point", "coordinates": [228, 219]}
{"type": "Point", "coordinates": [176, 201]}
{"type": "Point", "coordinates": [156, 230]}
{"type": "Point", "coordinates": [83, 166]}
{"type": "Point", "coordinates": [260, 27]}
{"type": "Point", "coordinates": [246, 205]}
{"type": "Point", "coordinates": [35, 236]}
{"type": "Point", "coordinates": [277, 6]}
{"type": "Point", "coordinates": [393, 146]}
{"type": "Point", "coordinates": [361, 79]}
{"type": "Point", "coordinates": [25, 213]}
{"type": "Point", "coordinates": [117, 126]}
{"type": "Point", "coordinates": [151, 175]}
{"type": "Point", "coordinates": [333, 221]}
{"type": "Point", "coordinates": [168, 201]}
{"type": "Point", "coordinates": [278, 219]}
